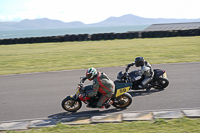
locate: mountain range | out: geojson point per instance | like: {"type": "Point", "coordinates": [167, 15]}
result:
{"type": "Point", "coordinates": [124, 20]}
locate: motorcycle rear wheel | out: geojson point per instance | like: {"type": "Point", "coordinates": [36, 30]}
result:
{"type": "Point", "coordinates": [122, 101]}
{"type": "Point", "coordinates": [161, 83]}
{"type": "Point", "coordinates": [67, 104]}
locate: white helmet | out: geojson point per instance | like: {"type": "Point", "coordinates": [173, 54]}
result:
{"type": "Point", "coordinates": [90, 73]}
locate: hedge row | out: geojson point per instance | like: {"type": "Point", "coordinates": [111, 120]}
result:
{"type": "Point", "coordinates": [102, 36]}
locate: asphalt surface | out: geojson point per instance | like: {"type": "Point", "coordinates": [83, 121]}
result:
{"type": "Point", "coordinates": [38, 95]}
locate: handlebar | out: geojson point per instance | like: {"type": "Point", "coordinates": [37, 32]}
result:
{"type": "Point", "coordinates": [81, 83]}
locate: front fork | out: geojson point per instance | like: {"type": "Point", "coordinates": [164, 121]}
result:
{"type": "Point", "coordinates": [73, 101]}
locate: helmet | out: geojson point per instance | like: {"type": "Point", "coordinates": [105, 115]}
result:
{"type": "Point", "coordinates": [139, 61]}
{"type": "Point", "coordinates": [90, 73]}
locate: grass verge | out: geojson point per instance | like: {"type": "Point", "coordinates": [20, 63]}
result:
{"type": "Point", "coordinates": [182, 125]}
{"type": "Point", "coordinates": [26, 58]}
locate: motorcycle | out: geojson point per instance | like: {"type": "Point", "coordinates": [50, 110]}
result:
{"type": "Point", "coordinates": [159, 81]}
{"type": "Point", "coordinates": [120, 99]}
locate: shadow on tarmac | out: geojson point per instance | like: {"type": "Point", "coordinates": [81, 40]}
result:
{"type": "Point", "coordinates": [135, 93]}
{"type": "Point", "coordinates": [85, 113]}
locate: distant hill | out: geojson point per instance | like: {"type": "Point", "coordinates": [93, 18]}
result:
{"type": "Point", "coordinates": [43, 23]}
{"type": "Point", "coordinates": [130, 19]}
{"type": "Point", "coordinates": [124, 20]}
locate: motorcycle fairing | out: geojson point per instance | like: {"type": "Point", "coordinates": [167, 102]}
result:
{"type": "Point", "coordinates": [84, 99]}
{"type": "Point", "coordinates": [158, 72]}
{"type": "Point", "coordinates": [121, 88]}
{"type": "Point", "coordinates": [133, 75]}
{"type": "Point", "coordinates": [86, 89]}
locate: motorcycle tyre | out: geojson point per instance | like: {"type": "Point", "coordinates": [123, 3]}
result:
{"type": "Point", "coordinates": [127, 95]}
{"type": "Point", "coordinates": [165, 84]}
{"type": "Point", "coordinates": [68, 109]}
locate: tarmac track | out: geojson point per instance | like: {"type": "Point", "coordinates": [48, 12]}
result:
{"type": "Point", "coordinates": [38, 95]}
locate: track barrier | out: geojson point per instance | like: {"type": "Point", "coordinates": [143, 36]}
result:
{"type": "Point", "coordinates": [101, 36]}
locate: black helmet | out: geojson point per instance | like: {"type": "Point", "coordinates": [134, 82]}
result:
{"type": "Point", "coordinates": [139, 61]}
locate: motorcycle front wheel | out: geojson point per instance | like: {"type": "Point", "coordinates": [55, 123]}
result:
{"type": "Point", "coordinates": [122, 101]}
{"type": "Point", "coordinates": [71, 104]}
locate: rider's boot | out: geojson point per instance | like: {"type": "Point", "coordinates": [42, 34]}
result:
{"type": "Point", "coordinates": [148, 87]}
{"type": "Point", "coordinates": [108, 104]}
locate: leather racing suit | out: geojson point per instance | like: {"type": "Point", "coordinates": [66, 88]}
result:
{"type": "Point", "coordinates": [146, 70]}
{"type": "Point", "coordinates": [102, 84]}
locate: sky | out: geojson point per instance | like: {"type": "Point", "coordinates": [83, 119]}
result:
{"type": "Point", "coordinates": [93, 11]}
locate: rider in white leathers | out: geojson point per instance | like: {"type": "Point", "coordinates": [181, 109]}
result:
{"type": "Point", "coordinates": [146, 70]}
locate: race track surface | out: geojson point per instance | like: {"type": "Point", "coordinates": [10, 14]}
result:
{"type": "Point", "coordinates": [38, 95]}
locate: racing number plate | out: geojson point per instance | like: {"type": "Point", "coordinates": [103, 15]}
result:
{"type": "Point", "coordinates": [165, 75]}
{"type": "Point", "coordinates": [122, 91]}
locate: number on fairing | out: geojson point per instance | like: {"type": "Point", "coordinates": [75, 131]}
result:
{"type": "Point", "coordinates": [122, 91]}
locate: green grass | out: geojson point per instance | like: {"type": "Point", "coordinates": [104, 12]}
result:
{"type": "Point", "coordinates": [26, 58]}
{"type": "Point", "coordinates": [183, 125]}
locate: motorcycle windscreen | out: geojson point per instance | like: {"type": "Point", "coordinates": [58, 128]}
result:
{"type": "Point", "coordinates": [121, 88]}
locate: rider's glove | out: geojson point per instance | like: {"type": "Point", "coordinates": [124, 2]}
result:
{"type": "Point", "coordinates": [79, 87]}
{"type": "Point", "coordinates": [83, 79]}
{"type": "Point", "coordinates": [126, 74]}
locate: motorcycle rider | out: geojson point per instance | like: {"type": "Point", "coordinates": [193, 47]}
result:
{"type": "Point", "coordinates": [102, 84]}
{"type": "Point", "coordinates": [146, 70]}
